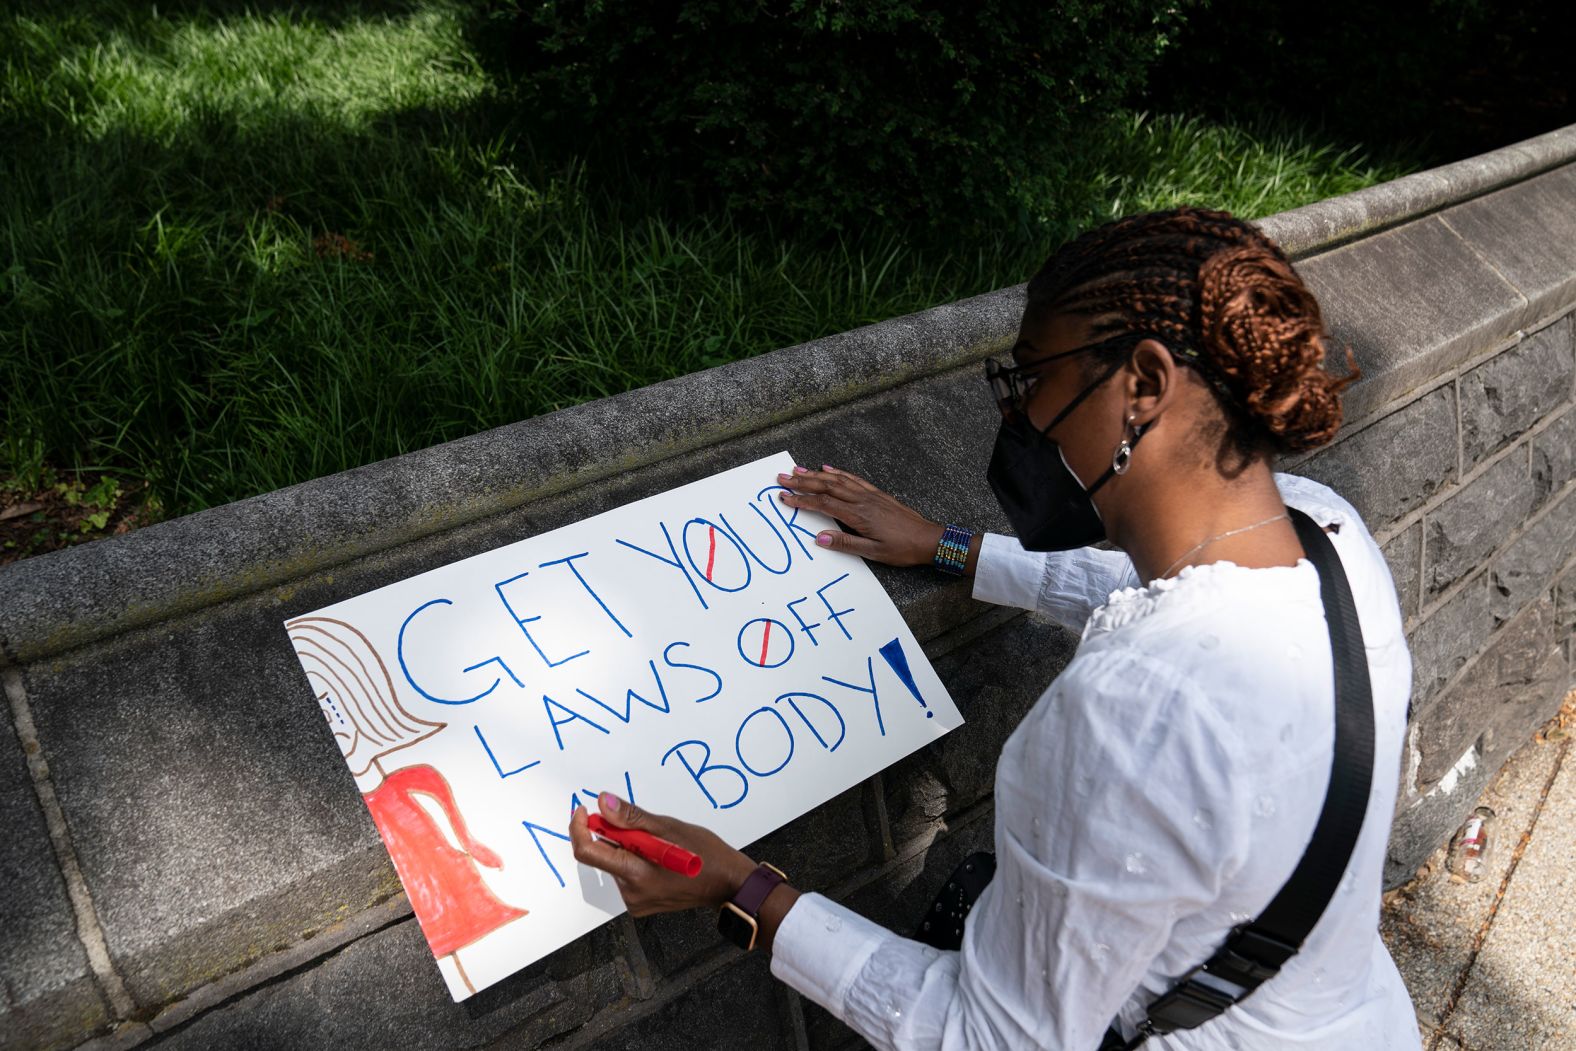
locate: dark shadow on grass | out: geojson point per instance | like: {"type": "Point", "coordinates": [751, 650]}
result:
{"type": "Point", "coordinates": [1417, 79]}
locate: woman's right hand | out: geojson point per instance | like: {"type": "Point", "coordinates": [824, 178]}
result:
{"type": "Point", "coordinates": [880, 527]}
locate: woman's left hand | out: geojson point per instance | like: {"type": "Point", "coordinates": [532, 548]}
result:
{"type": "Point", "coordinates": [648, 889]}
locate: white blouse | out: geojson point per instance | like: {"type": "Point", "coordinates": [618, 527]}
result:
{"type": "Point", "coordinates": [1159, 792]}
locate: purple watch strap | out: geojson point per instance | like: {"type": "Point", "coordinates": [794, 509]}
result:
{"type": "Point", "coordinates": [756, 887]}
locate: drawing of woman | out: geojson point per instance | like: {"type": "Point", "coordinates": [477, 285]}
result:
{"type": "Point", "coordinates": [451, 902]}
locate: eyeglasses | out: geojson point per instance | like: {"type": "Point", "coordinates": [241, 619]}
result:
{"type": "Point", "coordinates": [1012, 384]}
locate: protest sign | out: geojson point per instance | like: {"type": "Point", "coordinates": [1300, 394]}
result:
{"type": "Point", "coordinates": [695, 652]}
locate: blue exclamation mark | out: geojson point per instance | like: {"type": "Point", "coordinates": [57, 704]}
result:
{"type": "Point", "coordinates": [893, 653]}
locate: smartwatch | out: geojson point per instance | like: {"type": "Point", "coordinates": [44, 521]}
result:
{"type": "Point", "coordinates": [736, 920]}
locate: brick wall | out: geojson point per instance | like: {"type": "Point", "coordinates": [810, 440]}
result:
{"type": "Point", "coordinates": [1470, 487]}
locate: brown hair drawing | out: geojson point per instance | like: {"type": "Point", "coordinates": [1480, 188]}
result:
{"type": "Point", "coordinates": [355, 691]}
{"type": "Point", "coordinates": [453, 904]}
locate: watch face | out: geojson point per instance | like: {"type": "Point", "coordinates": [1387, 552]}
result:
{"type": "Point", "coordinates": [737, 926]}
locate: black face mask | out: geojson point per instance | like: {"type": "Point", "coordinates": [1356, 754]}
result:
{"type": "Point", "coordinates": [1043, 499]}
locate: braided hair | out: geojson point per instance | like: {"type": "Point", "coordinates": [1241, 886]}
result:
{"type": "Point", "coordinates": [1224, 299]}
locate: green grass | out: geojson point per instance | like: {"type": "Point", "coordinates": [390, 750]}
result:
{"type": "Point", "coordinates": [243, 249]}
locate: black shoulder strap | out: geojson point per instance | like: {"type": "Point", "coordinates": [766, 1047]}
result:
{"type": "Point", "coordinates": [1255, 952]}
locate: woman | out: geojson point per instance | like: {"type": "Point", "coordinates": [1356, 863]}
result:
{"type": "Point", "coordinates": [1163, 788]}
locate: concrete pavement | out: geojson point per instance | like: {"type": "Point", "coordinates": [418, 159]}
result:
{"type": "Point", "coordinates": [1492, 965]}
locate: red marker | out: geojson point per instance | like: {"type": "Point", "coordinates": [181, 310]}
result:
{"type": "Point", "coordinates": [654, 849]}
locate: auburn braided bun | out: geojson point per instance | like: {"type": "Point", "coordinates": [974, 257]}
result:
{"type": "Point", "coordinates": [1263, 331]}
{"type": "Point", "coordinates": [1224, 299]}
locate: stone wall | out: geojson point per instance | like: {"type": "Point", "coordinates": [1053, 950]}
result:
{"type": "Point", "coordinates": [186, 865]}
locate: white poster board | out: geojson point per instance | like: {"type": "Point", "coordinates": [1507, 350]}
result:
{"type": "Point", "coordinates": [695, 651]}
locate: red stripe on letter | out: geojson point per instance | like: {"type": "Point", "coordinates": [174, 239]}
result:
{"type": "Point", "coordinates": [711, 553]}
{"type": "Point", "coordinates": [766, 641]}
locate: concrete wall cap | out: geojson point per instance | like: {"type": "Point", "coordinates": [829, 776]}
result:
{"type": "Point", "coordinates": [1325, 224]}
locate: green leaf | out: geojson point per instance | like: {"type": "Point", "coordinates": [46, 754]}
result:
{"type": "Point", "coordinates": [257, 317]}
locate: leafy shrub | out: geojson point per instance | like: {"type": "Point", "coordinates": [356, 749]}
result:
{"type": "Point", "coordinates": [1440, 79]}
{"type": "Point", "coordinates": [826, 114]}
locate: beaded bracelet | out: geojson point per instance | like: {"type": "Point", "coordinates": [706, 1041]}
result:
{"type": "Point", "coordinates": [952, 554]}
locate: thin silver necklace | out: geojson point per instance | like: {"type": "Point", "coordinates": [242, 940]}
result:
{"type": "Point", "coordinates": [1219, 536]}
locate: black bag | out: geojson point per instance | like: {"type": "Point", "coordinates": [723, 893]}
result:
{"type": "Point", "coordinates": [942, 926]}
{"type": "Point", "coordinates": [1254, 952]}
